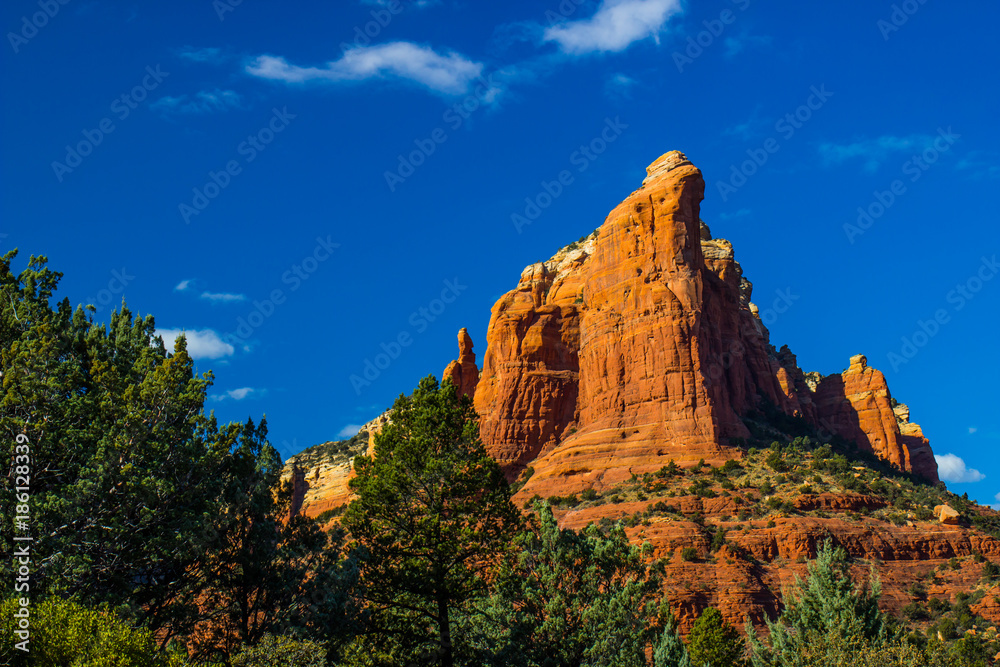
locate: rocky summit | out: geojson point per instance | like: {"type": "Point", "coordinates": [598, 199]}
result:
{"type": "Point", "coordinates": [641, 344]}
{"type": "Point", "coordinates": [631, 378]}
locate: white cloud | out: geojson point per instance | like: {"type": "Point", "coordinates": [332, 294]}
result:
{"type": "Point", "coordinates": [203, 55]}
{"type": "Point", "coordinates": [448, 74]}
{"type": "Point", "coordinates": [972, 429]}
{"type": "Point", "coordinates": [222, 297]}
{"type": "Point", "coordinates": [614, 27]}
{"type": "Point", "coordinates": [349, 431]}
{"type": "Point", "coordinates": [205, 101]}
{"type": "Point", "coordinates": [873, 151]}
{"type": "Point", "coordinates": [182, 285]}
{"type": "Point", "coordinates": [201, 344]}
{"type": "Point", "coordinates": [952, 468]}
{"type": "Point", "coordinates": [239, 394]}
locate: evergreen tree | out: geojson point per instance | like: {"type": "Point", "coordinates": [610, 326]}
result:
{"type": "Point", "coordinates": [670, 650]}
{"type": "Point", "coordinates": [823, 613]}
{"type": "Point", "coordinates": [123, 462]}
{"type": "Point", "coordinates": [713, 642]}
{"type": "Point", "coordinates": [139, 500]}
{"type": "Point", "coordinates": [433, 511]}
{"type": "Point", "coordinates": [269, 574]}
{"type": "Point", "coordinates": [567, 599]}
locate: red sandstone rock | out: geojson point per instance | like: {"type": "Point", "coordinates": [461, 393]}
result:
{"type": "Point", "coordinates": [463, 373]}
{"type": "Point", "coordinates": [857, 405]}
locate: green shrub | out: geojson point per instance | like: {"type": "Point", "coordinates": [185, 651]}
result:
{"type": "Point", "coordinates": [589, 494]}
{"type": "Point", "coordinates": [68, 634]}
{"type": "Point", "coordinates": [689, 554]}
{"type": "Point", "coordinates": [273, 651]}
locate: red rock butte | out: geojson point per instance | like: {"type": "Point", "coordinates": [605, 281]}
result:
{"type": "Point", "coordinates": [640, 344]}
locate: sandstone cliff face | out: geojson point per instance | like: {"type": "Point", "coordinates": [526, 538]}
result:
{"type": "Point", "coordinates": [641, 344]}
{"type": "Point", "coordinates": [857, 406]}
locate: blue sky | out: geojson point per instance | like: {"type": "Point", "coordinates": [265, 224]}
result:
{"type": "Point", "coordinates": [301, 186]}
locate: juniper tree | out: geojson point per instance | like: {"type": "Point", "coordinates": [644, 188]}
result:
{"type": "Point", "coordinates": [825, 614]}
{"type": "Point", "coordinates": [139, 500]}
{"type": "Point", "coordinates": [568, 599]}
{"type": "Point", "coordinates": [433, 511]}
{"type": "Point", "coordinates": [670, 650]}
{"type": "Point", "coordinates": [712, 642]}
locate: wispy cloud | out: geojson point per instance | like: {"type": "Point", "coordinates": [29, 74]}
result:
{"type": "Point", "coordinates": [211, 55]}
{"type": "Point", "coordinates": [205, 101]}
{"type": "Point", "coordinates": [183, 285]}
{"type": "Point", "coordinates": [873, 151]}
{"type": "Point", "coordinates": [201, 343]}
{"type": "Point", "coordinates": [239, 394]}
{"type": "Point", "coordinates": [349, 431]}
{"type": "Point", "coordinates": [742, 213]}
{"type": "Point", "coordinates": [980, 164]}
{"type": "Point", "coordinates": [449, 73]}
{"type": "Point", "coordinates": [952, 468]}
{"type": "Point", "coordinates": [619, 86]}
{"type": "Point", "coordinates": [615, 26]}
{"type": "Point", "coordinates": [222, 297]}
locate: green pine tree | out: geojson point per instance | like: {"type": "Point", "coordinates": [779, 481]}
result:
{"type": "Point", "coordinates": [433, 511]}
{"type": "Point", "coordinates": [825, 612]}
{"type": "Point", "coordinates": [713, 642]}
{"type": "Point", "coordinates": [139, 500]}
{"type": "Point", "coordinates": [670, 650]}
{"type": "Point", "coordinates": [567, 599]}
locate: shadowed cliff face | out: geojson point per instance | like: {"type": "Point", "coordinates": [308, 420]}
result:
{"type": "Point", "coordinates": [640, 344]}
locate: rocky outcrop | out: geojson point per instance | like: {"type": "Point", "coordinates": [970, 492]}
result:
{"type": "Point", "coordinates": [637, 344]}
{"type": "Point", "coordinates": [857, 406]}
{"type": "Point", "coordinates": [641, 343]}
{"type": "Point", "coordinates": [947, 514]}
{"type": "Point", "coordinates": [463, 373]}
{"type": "Point", "coordinates": [318, 477]}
